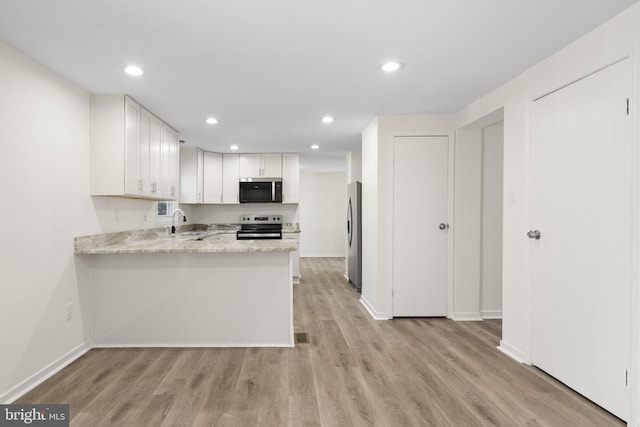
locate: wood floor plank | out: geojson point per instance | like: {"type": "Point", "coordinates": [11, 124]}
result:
{"type": "Point", "coordinates": [353, 371]}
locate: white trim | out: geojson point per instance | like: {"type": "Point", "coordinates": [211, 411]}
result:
{"type": "Point", "coordinates": [511, 351]}
{"type": "Point", "coordinates": [473, 316]}
{"type": "Point", "coordinates": [190, 345]}
{"type": "Point", "coordinates": [372, 312]}
{"type": "Point", "coordinates": [634, 369]}
{"type": "Point", "coordinates": [340, 255]}
{"type": "Point", "coordinates": [45, 373]}
{"type": "Point", "coordinates": [491, 314]}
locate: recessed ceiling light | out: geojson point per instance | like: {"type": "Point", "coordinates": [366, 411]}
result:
{"type": "Point", "coordinates": [212, 121]}
{"type": "Point", "coordinates": [390, 67]}
{"type": "Point", "coordinates": [327, 119]}
{"type": "Point", "coordinates": [315, 147]}
{"type": "Point", "coordinates": [133, 70]}
{"type": "Point", "coordinates": [234, 147]}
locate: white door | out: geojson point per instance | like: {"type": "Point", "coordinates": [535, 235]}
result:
{"type": "Point", "coordinates": [581, 266]}
{"type": "Point", "coordinates": [420, 212]}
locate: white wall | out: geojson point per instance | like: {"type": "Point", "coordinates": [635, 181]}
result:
{"type": "Point", "coordinates": [354, 166]}
{"type": "Point", "coordinates": [491, 278]}
{"type": "Point", "coordinates": [45, 166]}
{"type": "Point", "coordinates": [617, 37]}
{"type": "Point", "coordinates": [369, 206]}
{"type": "Point", "coordinates": [467, 225]}
{"type": "Point", "coordinates": [323, 214]}
{"type": "Point", "coordinates": [230, 214]}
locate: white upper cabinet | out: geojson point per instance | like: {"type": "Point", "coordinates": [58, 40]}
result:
{"type": "Point", "coordinates": [230, 178]}
{"type": "Point", "coordinates": [150, 150]}
{"type": "Point", "coordinates": [261, 165]}
{"type": "Point", "coordinates": [290, 178]}
{"type": "Point", "coordinates": [170, 163]}
{"type": "Point", "coordinates": [272, 165]}
{"type": "Point", "coordinates": [126, 149]}
{"type": "Point", "coordinates": [212, 176]}
{"type": "Point", "coordinates": [191, 175]}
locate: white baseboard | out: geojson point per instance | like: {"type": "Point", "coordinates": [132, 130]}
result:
{"type": "Point", "coordinates": [467, 317]}
{"type": "Point", "coordinates": [323, 256]}
{"type": "Point", "coordinates": [190, 345]}
{"type": "Point", "coordinates": [491, 314]}
{"type": "Point", "coordinates": [511, 351]}
{"type": "Point", "coordinates": [372, 312]}
{"type": "Point", "coordinates": [43, 374]}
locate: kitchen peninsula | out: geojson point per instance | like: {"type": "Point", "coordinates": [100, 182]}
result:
{"type": "Point", "coordinates": [192, 289]}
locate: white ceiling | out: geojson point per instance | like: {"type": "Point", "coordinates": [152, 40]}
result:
{"type": "Point", "coordinates": [269, 70]}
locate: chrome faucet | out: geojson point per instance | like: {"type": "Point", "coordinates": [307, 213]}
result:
{"type": "Point", "coordinates": [173, 220]}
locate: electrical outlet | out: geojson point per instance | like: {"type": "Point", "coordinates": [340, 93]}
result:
{"type": "Point", "coordinates": [116, 215]}
{"type": "Point", "coordinates": [68, 311]}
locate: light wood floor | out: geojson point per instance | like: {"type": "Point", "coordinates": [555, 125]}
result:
{"type": "Point", "coordinates": [353, 371]}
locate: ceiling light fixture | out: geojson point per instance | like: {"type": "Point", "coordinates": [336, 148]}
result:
{"type": "Point", "coordinates": [211, 121]}
{"type": "Point", "coordinates": [327, 119]}
{"type": "Point", "coordinates": [133, 70]}
{"type": "Point", "coordinates": [390, 67]}
{"type": "Point", "coordinates": [315, 147]}
{"type": "Point", "coordinates": [234, 147]}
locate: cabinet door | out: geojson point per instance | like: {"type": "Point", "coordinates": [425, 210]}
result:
{"type": "Point", "coordinates": [169, 158]}
{"type": "Point", "coordinates": [290, 178]}
{"type": "Point", "coordinates": [251, 165]}
{"type": "Point", "coordinates": [191, 162]}
{"type": "Point", "coordinates": [174, 166]}
{"type": "Point", "coordinates": [133, 184]}
{"type": "Point", "coordinates": [155, 156]}
{"type": "Point", "coordinates": [230, 178]}
{"type": "Point", "coordinates": [144, 187]}
{"type": "Point", "coordinates": [272, 165]}
{"type": "Point", "coordinates": [212, 178]}
{"type": "Point", "coordinates": [200, 177]}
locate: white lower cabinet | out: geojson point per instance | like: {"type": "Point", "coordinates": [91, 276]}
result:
{"type": "Point", "coordinates": [296, 255]}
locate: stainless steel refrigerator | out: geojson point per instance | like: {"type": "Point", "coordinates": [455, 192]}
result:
{"type": "Point", "coordinates": [354, 234]}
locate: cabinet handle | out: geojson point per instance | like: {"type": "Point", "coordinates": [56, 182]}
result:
{"type": "Point", "coordinates": [173, 190]}
{"type": "Point", "coordinates": [140, 185]}
{"type": "Point", "coordinates": [154, 187]}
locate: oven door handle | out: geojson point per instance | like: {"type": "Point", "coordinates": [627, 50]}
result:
{"type": "Point", "coordinates": [260, 235]}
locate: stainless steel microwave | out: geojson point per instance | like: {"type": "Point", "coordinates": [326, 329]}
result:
{"type": "Point", "coordinates": [260, 190]}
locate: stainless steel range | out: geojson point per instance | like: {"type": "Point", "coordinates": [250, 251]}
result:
{"type": "Point", "coordinates": [253, 227]}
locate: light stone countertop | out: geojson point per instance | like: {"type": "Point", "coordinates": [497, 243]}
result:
{"type": "Point", "coordinates": [191, 238]}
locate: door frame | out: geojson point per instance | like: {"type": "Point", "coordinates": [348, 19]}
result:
{"type": "Point", "coordinates": [450, 186]}
{"type": "Point", "coordinates": [557, 84]}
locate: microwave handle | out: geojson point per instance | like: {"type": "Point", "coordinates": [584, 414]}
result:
{"type": "Point", "coordinates": [273, 191]}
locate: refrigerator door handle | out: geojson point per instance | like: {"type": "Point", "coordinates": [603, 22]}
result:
{"type": "Point", "coordinates": [349, 221]}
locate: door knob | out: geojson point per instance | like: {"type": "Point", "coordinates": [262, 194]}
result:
{"type": "Point", "coordinates": [443, 226]}
{"type": "Point", "coordinates": [534, 234]}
